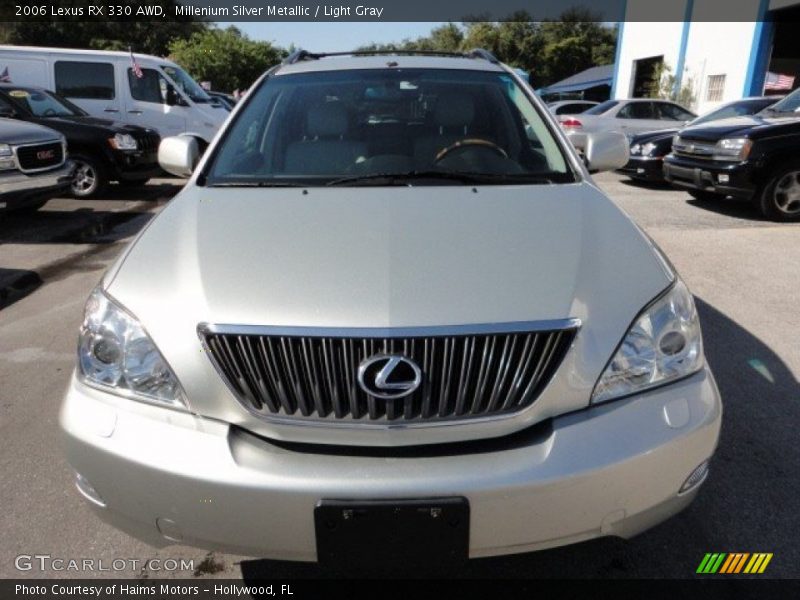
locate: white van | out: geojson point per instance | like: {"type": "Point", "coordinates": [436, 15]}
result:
{"type": "Point", "coordinates": [105, 85]}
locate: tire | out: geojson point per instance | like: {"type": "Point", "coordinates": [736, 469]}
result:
{"type": "Point", "coordinates": [90, 178]}
{"type": "Point", "coordinates": [705, 195]}
{"type": "Point", "coordinates": [779, 200]}
{"type": "Point", "coordinates": [129, 183]}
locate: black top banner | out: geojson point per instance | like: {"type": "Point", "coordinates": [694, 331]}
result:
{"type": "Point", "coordinates": [394, 10]}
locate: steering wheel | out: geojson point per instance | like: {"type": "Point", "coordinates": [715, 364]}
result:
{"type": "Point", "coordinates": [49, 112]}
{"type": "Point", "coordinates": [469, 143]}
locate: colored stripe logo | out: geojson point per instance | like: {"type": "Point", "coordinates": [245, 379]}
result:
{"type": "Point", "coordinates": [734, 562]}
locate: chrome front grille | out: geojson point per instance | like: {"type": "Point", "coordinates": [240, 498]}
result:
{"type": "Point", "coordinates": [467, 372]}
{"type": "Point", "coordinates": [38, 157]}
{"type": "Point", "coordinates": [693, 149]}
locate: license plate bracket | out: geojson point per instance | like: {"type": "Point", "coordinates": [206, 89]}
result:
{"type": "Point", "coordinates": [431, 531]}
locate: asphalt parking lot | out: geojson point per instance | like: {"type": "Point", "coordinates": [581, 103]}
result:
{"type": "Point", "coordinates": [744, 272]}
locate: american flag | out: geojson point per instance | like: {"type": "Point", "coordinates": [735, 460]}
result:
{"type": "Point", "coordinates": [778, 81]}
{"type": "Point", "coordinates": [5, 77]}
{"type": "Point", "coordinates": [135, 66]}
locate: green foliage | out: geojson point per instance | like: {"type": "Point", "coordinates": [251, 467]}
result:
{"type": "Point", "coordinates": [226, 57]}
{"type": "Point", "coordinates": [664, 84]}
{"type": "Point", "coordinates": [148, 37]}
{"type": "Point", "coordinates": [549, 51]}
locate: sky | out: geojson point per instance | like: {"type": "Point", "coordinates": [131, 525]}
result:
{"type": "Point", "coordinates": [331, 37]}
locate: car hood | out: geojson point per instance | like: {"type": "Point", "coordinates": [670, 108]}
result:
{"type": "Point", "coordinates": [16, 132]}
{"type": "Point", "coordinates": [653, 136]}
{"type": "Point", "coordinates": [87, 123]}
{"type": "Point", "coordinates": [387, 257]}
{"type": "Point", "coordinates": [755, 126]}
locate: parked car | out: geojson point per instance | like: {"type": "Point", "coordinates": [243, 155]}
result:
{"type": "Point", "coordinates": [33, 165]}
{"type": "Point", "coordinates": [102, 150]}
{"type": "Point", "coordinates": [572, 107]}
{"type": "Point", "coordinates": [633, 116]}
{"type": "Point", "coordinates": [227, 100]}
{"type": "Point", "coordinates": [649, 149]}
{"type": "Point", "coordinates": [390, 289]}
{"type": "Point", "coordinates": [753, 157]}
{"type": "Point", "coordinates": [105, 84]}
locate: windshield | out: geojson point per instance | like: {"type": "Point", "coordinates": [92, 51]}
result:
{"type": "Point", "coordinates": [736, 109]}
{"type": "Point", "coordinates": [188, 85]}
{"type": "Point", "coordinates": [388, 126]}
{"type": "Point", "coordinates": [789, 104]}
{"type": "Point", "coordinates": [44, 104]}
{"type": "Point", "coordinates": [601, 108]}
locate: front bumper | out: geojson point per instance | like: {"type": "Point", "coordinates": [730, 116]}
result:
{"type": "Point", "coordinates": [727, 179]}
{"type": "Point", "coordinates": [644, 168]}
{"type": "Point", "coordinates": [133, 166]}
{"type": "Point", "coordinates": [612, 470]}
{"type": "Point", "coordinates": [18, 189]}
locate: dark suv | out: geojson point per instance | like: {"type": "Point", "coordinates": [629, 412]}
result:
{"type": "Point", "coordinates": [102, 150]}
{"type": "Point", "coordinates": [755, 157]}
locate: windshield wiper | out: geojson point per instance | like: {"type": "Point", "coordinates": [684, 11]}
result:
{"type": "Point", "coordinates": [403, 178]}
{"type": "Point", "coordinates": [257, 184]}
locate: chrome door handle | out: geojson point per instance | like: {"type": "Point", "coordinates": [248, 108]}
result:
{"type": "Point", "coordinates": [135, 112]}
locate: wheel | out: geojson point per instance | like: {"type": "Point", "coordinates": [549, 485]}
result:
{"type": "Point", "coordinates": [133, 182]}
{"type": "Point", "coordinates": [780, 198]}
{"type": "Point", "coordinates": [90, 177]}
{"type": "Point", "coordinates": [705, 195]}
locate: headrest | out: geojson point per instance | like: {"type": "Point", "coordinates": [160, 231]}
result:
{"type": "Point", "coordinates": [454, 110]}
{"type": "Point", "coordinates": [327, 120]}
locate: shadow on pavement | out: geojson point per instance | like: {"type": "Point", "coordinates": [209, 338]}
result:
{"type": "Point", "coordinates": [647, 185]}
{"type": "Point", "coordinates": [748, 503]}
{"type": "Point", "coordinates": [81, 226]}
{"type": "Point", "coordinates": [729, 207]}
{"type": "Point", "coordinates": [15, 284]}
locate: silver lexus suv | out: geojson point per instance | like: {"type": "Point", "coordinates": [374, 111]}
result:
{"type": "Point", "coordinates": [390, 316]}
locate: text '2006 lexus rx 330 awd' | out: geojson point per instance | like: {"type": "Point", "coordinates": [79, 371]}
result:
{"type": "Point", "coordinates": [390, 314]}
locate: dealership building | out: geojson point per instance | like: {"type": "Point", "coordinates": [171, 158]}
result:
{"type": "Point", "coordinates": [722, 61]}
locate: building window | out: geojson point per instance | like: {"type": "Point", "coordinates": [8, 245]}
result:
{"type": "Point", "coordinates": [716, 88]}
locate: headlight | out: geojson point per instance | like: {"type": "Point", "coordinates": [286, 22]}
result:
{"type": "Point", "coordinates": [636, 149]}
{"type": "Point", "coordinates": [733, 149]}
{"type": "Point", "coordinates": [115, 353]}
{"type": "Point", "coordinates": [6, 158]}
{"type": "Point", "coordinates": [648, 148]}
{"type": "Point", "coordinates": [663, 344]}
{"type": "Point", "coordinates": [122, 141]}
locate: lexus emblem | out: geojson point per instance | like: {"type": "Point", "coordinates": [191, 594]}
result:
{"type": "Point", "coordinates": [45, 154]}
{"type": "Point", "coordinates": [389, 376]}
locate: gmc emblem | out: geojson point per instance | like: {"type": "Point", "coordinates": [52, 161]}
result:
{"type": "Point", "coordinates": [46, 154]}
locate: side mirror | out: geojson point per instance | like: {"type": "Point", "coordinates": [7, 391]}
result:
{"type": "Point", "coordinates": [606, 150]}
{"type": "Point", "coordinates": [174, 98]}
{"type": "Point", "coordinates": [178, 155]}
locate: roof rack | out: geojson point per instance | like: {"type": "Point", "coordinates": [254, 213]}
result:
{"type": "Point", "coordinates": [301, 55]}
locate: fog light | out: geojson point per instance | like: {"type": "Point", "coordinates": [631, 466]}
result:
{"type": "Point", "coordinates": [723, 178]}
{"type": "Point", "coordinates": [87, 490]}
{"type": "Point", "coordinates": [697, 477]}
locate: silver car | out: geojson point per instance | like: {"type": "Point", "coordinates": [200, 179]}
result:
{"type": "Point", "coordinates": [634, 116]}
{"type": "Point", "coordinates": [389, 305]}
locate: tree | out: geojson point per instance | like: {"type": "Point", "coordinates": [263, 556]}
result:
{"type": "Point", "coordinates": [665, 85]}
{"type": "Point", "coordinates": [549, 51]}
{"type": "Point", "coordinates": [148, 37]}
{"type": "Point", "coordinates": [226, 57]}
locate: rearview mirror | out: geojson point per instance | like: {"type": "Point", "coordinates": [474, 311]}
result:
{"type": "Point", "coordinates": [606, 150]}
{"type": "Point", "coordinates": [178, 155]}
